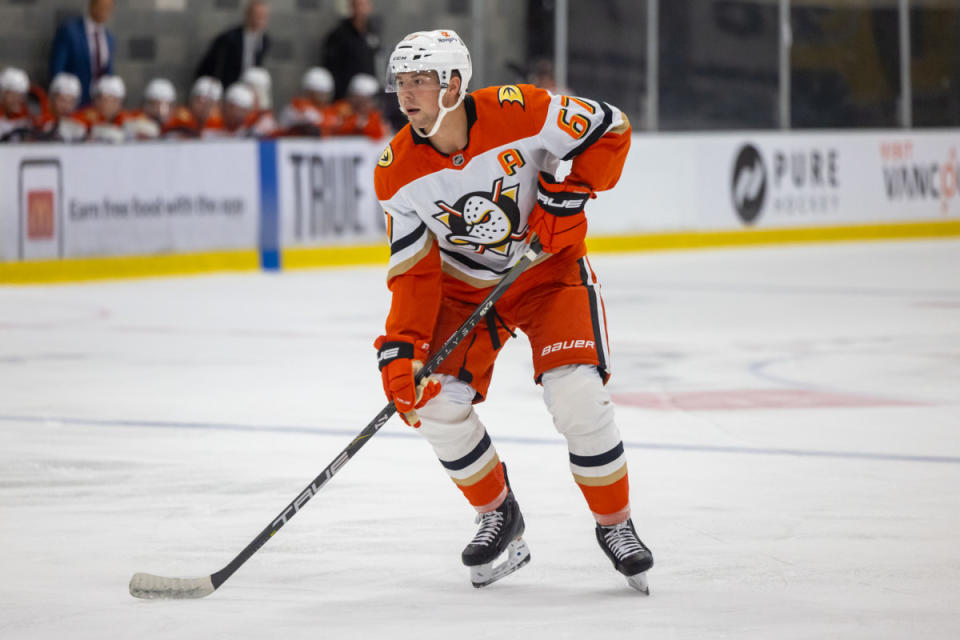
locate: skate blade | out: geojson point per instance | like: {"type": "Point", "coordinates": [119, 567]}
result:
{"type": "Point", "coordinates": [639, 582]}
{"type": "Point", "coordinates": [516, 555]}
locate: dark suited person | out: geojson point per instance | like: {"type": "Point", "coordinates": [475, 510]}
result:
{"type": "Point", "coordinates": [350, 47]}
{"type": "Point", "coordinates": [84, 47]}
{"type": "Point", "coordinates": [237, 49]}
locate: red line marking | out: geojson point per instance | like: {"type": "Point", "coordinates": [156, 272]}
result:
{"type": "Point", "coordinates": [740, 399]}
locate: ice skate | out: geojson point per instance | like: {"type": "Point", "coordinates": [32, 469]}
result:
{"type": "Point", "coordinates": [628, 554]}
{"type": "Point", "coordinates": [500, 531]}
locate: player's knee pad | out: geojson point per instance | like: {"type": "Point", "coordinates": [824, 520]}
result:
{"type": "Point", "coordinates": [448, 421]}
{"type": "Point", "coordinates": [580, 405]}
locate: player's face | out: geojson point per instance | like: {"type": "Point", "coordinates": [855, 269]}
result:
{"type": "Point", "coordinates": [201, 106]}
{"type": "Point", "coordinates": [234, 116]}
{"type": "Point", "coordinates": [319, 98]}
{"type": "Point", "coordinates": [12, 101]}
{"type": "Point", "coordinates": [108, 106]}
{"type": "Point", "coordinates": [417, 93]}
{"type": "Point", "coordinates": [64, 103]}
{"type": "Point", "coordinates": [159, 110]}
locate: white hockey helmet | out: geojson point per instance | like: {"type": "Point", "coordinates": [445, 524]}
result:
{"type": "Point", "coordinates": [317, 79]}
{"type": "Point", "coordinates": [66, 84]}
{"type": "Point", "coordinates": [363, 84]}
{"type": "Point", "coordinates": [14, 80]}
{"type": "Point", "coordinates": [442, 51]}
{"type": "Point", "coordinates": [161, 90]}
{"type": "Point", "coordinates": [259, 80]}
{"type": "Point", "coordinates": [207, 87]}
{"type": "Point", "coordinates": [110, 86]}
{"type": "Point", "coordinates": [241, 95]}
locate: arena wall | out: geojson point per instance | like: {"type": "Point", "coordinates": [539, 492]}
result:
{"type": "Point", "coordinates": [92, 211]}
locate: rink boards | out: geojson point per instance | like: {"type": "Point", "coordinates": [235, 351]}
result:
{"type": "Point", "coordinates": [70, 212]}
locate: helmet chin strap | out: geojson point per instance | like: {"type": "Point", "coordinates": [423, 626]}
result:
{"type": "Point", "coordinates": [443, 112]}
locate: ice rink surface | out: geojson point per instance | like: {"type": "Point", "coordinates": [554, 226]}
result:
{"type": "Point", "coordinates": [791, 417]}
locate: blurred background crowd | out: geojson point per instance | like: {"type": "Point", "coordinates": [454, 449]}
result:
{"type": "Point", "coordinates": [94, 70]}
{"type": "Point", "coordinates": [231, 93]}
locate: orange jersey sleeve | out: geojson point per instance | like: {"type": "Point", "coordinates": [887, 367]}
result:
{"type": "Point", "coordinates": [416, 297]}
{"type": "Point", "coordinates": [599, 166]}
{"type": "Point", "coordinates": [414, 275]}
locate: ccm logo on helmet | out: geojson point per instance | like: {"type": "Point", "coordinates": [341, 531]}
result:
{"type": "Point", "coordinates": [567, 344]}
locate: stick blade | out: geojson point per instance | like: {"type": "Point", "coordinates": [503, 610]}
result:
{"type": "Point", "coordinates": [151, 587]}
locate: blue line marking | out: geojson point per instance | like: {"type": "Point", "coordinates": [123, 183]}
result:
{"type": "Point", "coordinates": [269, 207]}
{"type": "Point", "coordinates": [324, 431]}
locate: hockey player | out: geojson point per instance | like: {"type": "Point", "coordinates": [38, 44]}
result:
{"type": "Point", "coordinates": [357, 114]}
{"type": "Point", "coordinates": [60, 123]}
{"type": "Point", "coordinates": [239, 113]}
{"type": "Point", "coordinates": [148, 123]}
{"type": "Point", "coordinates": [309, 114]}
{"type": "Point", "coordinates": [159, 101]}
{"type": "Point", "coordinates": [15, 118]}
{"type": "Point", "coordinates": [202, 112]}
{"type": "Point", "coordinates": [262, 121]}
{"type": "Point", "coordinates": [105, 119]}
{"type": "Point", "coordinates": [463, 186]}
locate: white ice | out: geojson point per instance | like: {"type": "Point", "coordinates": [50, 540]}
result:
{"type": "Point", "coordinates": [158, 425]}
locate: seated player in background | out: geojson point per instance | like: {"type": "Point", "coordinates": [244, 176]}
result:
{"type": "Point", "coordinates": [201, 113]}
{"type": "Point", "coordinates": [159, 101]}
{"type": "Point", "coordinates": [105, 118]}
{"type": "Point", "coordinates": [358, 114]}
{"type": "Point", "coordinates": [262, 122]}
{"type": "Point", "coordinates": [309, 113]}
{"type": "Point", "coordinates": [16, 122]}
{"type": "Point", "coordinates": [60, 123]}
{"type": "Point", "coordinates": [148, 123]}
{"type": "Point", "coordinates": [239, 113]}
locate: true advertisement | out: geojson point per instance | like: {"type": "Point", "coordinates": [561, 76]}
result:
{"type": "Point", "coordinates": [326, 192]}
{"type": "Point", "coordinates": [59, 201]}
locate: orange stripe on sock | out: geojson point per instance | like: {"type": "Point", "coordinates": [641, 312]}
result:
{"type": "Point", "coordinates": [487, 489]}
{"type": "Point", "coordinates": [608, 499]}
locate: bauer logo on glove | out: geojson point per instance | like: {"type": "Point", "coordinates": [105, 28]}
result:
{"type": "Point", "coordinates": [400, 361]}
{"type": "Point", "coordinates": [558, 218]}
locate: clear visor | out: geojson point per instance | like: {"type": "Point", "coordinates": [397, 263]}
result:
{"type": "Point", "coordinates": [411, 77]}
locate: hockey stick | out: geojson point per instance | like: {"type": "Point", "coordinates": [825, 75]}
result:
{"type": "Point", "coordinates": [145, 585]}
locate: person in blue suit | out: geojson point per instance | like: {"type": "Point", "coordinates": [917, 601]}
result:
{"type": "Point", "coordinates": [84, 47]}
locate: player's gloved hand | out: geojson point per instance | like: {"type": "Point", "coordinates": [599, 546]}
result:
{"type": "Point", "coordinates": [557, 217]}
{"type": "Point", "coordinates": [399, 361]}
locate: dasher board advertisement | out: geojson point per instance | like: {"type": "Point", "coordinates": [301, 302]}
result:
{"type": "Point", "coordinates": [40, 209]}
{"type": "Point", "coordinates": [326, 192]}
{"type": "Point", "coordinates": [137, 199]}
{"type": "Point", "coordinates": [757, 180]}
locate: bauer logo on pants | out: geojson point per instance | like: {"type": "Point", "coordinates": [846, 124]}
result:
{"type": "Point", "coordinates": [567, 344]}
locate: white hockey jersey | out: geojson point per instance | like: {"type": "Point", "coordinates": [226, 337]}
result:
{"type": "Point", "coordinates": [474, 204]}
{"type": "Point", "coordinates": [465, 214]}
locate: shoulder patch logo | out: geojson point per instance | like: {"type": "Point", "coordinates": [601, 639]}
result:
{"type": "Point", "coordinates": [386, 158]}
{"type": "Point", "coordinates": [510, 93]}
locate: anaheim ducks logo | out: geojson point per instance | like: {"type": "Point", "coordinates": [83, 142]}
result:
{"type": "Point", "coordinates": [510, 93]}
{"type": "Point", "coordinates": [484, 221]}
{"type": "Point", "coordinates": [386, 158]}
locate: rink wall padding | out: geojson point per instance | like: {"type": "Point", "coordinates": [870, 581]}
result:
{"type": "Point", "coordinates": [79, 212]}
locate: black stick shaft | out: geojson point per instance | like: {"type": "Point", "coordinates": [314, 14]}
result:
{"type": "Point", "coordinates": [381, 418]}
